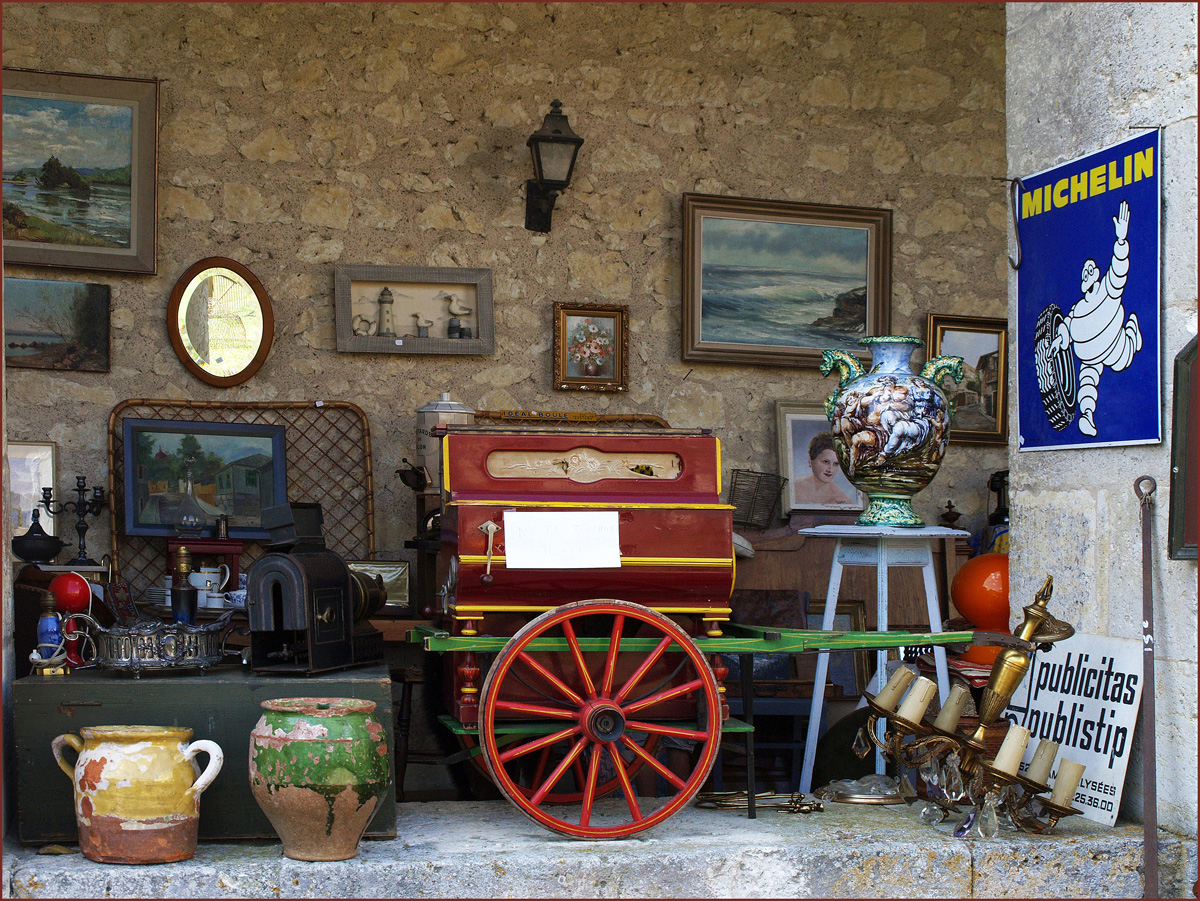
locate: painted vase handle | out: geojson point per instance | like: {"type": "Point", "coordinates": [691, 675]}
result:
{"type": "Point", "coordinates": [57, 747]}
{"type": "Point", "coordinates": [216, 758]}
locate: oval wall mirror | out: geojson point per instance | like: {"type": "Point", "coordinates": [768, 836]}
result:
{"type": "Point", "coordinates": [220, 322]}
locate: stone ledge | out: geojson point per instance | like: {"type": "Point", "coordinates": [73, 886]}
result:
{"type": "Point", "coordinates": [491, 850]}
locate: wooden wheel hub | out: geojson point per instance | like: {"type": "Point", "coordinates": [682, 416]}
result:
{"type": "Point", "coordinates": [603, 721]}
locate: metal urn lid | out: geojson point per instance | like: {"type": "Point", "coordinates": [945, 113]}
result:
{"type": "Point", "coordinates": [445, 405]}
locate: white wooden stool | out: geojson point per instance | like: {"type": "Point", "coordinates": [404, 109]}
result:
{"type": "Point", "coordinates": [868, 546]}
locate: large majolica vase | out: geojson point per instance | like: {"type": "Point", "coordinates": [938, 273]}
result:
{"type": "Point", "coordinates": [137, 791]}
{"type": "Point", "coordinates": [318, 768]}
{"type": "Point", "coordinates": [890, 425]}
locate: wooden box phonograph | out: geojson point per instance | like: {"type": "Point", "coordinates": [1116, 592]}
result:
{"type": "Point", "coordinates": [308, 610]}
{"type": "Point", "coordinates": [536, 517]}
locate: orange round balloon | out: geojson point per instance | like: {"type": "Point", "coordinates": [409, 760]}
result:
{"type": "Point", "coordinates": [980, 592]}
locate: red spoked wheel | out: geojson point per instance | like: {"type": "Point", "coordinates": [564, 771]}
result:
{"type": "Point", "coordinates": [592, 711]}
{"type": "Point", "coordinates": [570, 790]}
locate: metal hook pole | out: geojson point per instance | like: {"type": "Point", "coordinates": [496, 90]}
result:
{"type": "Point", "coordinates": [1012, 197]}
{"type": "Point", "coordinates": [1149, 750]}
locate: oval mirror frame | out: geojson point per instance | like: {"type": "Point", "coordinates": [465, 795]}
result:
{"type": "Point", "coordinates": [183, 348]}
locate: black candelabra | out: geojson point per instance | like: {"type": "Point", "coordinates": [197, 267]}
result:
{"type": "Point", "coordinates": [83, 507]}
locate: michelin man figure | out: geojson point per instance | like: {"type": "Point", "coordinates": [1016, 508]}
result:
{"type": "Point", "coordinates": [1096, 329]}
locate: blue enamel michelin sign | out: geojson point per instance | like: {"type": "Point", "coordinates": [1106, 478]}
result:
{"type": "Point", "coordinates": [1087, 337]}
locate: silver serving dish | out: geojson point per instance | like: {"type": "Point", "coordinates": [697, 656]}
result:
{"type": "Point", "coordinates": [155, 645]}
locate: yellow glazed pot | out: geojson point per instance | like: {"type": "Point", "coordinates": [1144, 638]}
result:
{"type": "Point", "coordinates": [137, 791]}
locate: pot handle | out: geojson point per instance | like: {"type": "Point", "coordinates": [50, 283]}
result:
{"type": "Point", "coordinates": [57, 747]}
{"type": "Point", "coordinates": [216, 757]}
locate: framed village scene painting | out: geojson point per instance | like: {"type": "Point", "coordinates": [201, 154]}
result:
{"type": "Point", "coordinates": [80, 159]}
{"type": "Point", "coordinates": [981, 398]}
{"type": "Point", "coordinates": [777, 283]}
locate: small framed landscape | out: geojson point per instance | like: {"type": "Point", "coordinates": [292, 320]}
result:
{"type": "Point", "coordinates": [981, 398]}
{"type": "Point", "coordinates": [80, 161]}
{"type": "Point", "coordinates": [413, 310]}
{"type": "Point", "coordinates": [56, 325]}
{"type": "Point", "coordinates": [776, 283]}
{"type": "Point", "coordinates": [808, 461]}
{"type": "Point", "coordinates": [591, 346]}
{"type": "Point", "coordinates": [237, 469]}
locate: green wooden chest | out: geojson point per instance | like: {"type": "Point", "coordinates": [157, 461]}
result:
{"type": "Point", "coordinates": [222, 706]}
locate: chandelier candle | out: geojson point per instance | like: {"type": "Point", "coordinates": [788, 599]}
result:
{"type": "Point", "coordinates": [1070, 774]}
{"type": "Point", "coordinates": [1043, 760]}
{"type": "Point", "coordinates": [952, 711]}
{"type": "Point", "coordinates": [889, 696]}
{"type": "Point", "coordinates": [1008, 758]}
{"type": "Point", "coordinates": [918, 699]}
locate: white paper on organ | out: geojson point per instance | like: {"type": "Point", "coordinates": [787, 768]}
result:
{"type": "Point", "coordinates": [568, 539]}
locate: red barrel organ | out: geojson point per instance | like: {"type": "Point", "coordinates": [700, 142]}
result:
{"type": "Point", "coordinates": [589, 560]}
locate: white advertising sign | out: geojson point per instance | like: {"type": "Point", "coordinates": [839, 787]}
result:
{"type": "Point", "coordinates": [1084, 693]}
{"type": "Point", "coordinates": [569, 539]}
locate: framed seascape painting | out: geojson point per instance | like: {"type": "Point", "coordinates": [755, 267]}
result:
{"type": "Point", "coordinates": [56, 325]}
{"type": "Point", "coordinates": [80, 160]}
{"type": "Point", "coordinates": [981, 398]}
{"type": "Point", "coordinates": [777, 283]}
{"type": "Point", "coordinates": [237, 469]}
{"type": "Point", "coordinates": [591, 346]}
{"type": "Point", "coordinates": [809, 462]}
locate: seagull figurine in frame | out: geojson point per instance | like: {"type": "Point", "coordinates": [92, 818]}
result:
{"type": "Point", "coordinates": [456, 308]}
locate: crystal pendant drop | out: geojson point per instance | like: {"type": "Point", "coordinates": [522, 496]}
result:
{"type": "Point", "coordinates": [988, 825]}
{"type": "Point", "coordinates": [931, 814]}
{"type": "Point", "coordinates": [862, 743]}
{"type": "Point", "coordinates": [952, 782]}
{"type": "Point", "coordinates": [964, 825]}
{"type": "Point", "coordinates": [907, 792]}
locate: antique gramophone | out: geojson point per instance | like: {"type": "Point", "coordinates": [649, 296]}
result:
{"type": "Point", "coordinates": [308, 610]}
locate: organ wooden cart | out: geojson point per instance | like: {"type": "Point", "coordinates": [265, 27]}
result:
{"type": "Point", "coordinates": [585, 578]}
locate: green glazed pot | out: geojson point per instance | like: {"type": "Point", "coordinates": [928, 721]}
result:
{"type": "Point", "coordinates": [890, 425]}
{"type": "Point", "coordinates": [318, 767]}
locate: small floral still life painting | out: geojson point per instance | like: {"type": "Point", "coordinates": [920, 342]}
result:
{"type": "Point", "coordinates": [590, 350]}
{"type": "Point", "coordinates": [591, 347]}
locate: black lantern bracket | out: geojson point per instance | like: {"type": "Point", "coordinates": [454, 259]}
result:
{"type": "Point", "coordinates": [554, 148]}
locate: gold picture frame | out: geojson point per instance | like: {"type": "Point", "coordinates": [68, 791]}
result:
{"type": "Point", "coordinates": [981, 398]}
{"type": "Point", "coordinates": [591, 347]}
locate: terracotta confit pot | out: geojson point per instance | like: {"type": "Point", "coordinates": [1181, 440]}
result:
{"type": "Point", "coordinates": [890, 425]}
{"type": "Point", "coordinates": [137, 791]}
{"type": "Point", "coordinates": [318, 767]}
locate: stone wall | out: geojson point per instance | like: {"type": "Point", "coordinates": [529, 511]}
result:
{"type": "Point", "coordinates": [296, 136]}
{"type": "Point", "coordinates": [1081, 77]}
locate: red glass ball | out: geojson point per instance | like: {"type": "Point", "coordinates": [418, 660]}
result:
{"type": "Point", "coordinates": [72, 593]}
{"type": "Point", "coordinates": [980, 592]}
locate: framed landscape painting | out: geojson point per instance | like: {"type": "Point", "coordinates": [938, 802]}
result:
{"type": "Point", "coordinates": [238, 469]}
{"type": "Point", "coordinates": [56, 325]}
{"type": "Point", "coordinates": [776, 283]}
{"type": "Point", "coordinates": [80, 159]}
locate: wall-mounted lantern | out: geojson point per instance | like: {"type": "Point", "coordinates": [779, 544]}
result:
{"type": "Point", "coordinates": [554, 148]}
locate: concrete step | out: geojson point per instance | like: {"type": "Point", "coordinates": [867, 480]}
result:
{"type": "Point", "coordinates": [490, 849]}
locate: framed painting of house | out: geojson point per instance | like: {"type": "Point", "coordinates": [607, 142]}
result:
{"type": "Point", "coordinates": [981, 398]}
{"type": "Point", "coordinates": [238, 469]}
